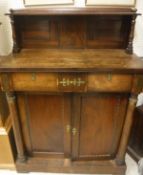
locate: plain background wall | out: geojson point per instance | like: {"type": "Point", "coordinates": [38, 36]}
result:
{"type": "Point", "coordinates": [138, 40]}
{"type": "Point", "coordinates": [6, 34]}
{"type": "Point", "coordinates": [5, 28]}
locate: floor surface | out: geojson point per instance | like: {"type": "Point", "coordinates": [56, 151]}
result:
{"type": "Point", "coordinates": [132, 169]}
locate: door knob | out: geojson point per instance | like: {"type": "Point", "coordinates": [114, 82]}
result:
{"type": "Point", "coordinates": [68, 128]}
{"type": "Point", "coordinates": [74, 131]}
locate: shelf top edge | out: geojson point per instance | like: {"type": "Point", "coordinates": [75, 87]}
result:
{"type": "Point", "coordinates": [75, 11]}
{"type": "Point", "coordinates": [72, 61]}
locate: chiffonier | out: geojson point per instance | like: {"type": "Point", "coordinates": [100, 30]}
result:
{"type": "Point", "coordinates": [72, 83]}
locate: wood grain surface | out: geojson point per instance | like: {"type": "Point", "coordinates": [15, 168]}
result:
{"type": "Point", "coordinates": [75, 11]}
{"type": "Point", "coordinates": [72, 88]}
{"type": "Point", "coordinates": [68, 60]}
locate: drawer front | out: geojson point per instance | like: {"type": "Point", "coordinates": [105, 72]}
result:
{"type": "Point", "coordinates": [50, 82]}
{"type": "Point", "coordinates": [34, 82]}
{"type": "Point", "coordinates": [71, 82]}
{"type": "Point", "coordinates": [109, 82]}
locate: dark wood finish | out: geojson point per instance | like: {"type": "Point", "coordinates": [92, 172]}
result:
{"type": "Point", "coordinates": [15, 34]}
{"type": "Point", "coordinates": [34, 81]}
{"type": "Point", "coordinates": [16, 127]}
{"type": "Point", "coordinates": [57, 165]}
{"type": "Point", "coordinates": [75, 88]}
{"type": "Point", "coordinates": [90, 123]}
{"type": "Point", "coordinates": [93, 28]}
{"type": "Point", "coordinates": [135, 147]}
{"type": "Point", "coordinates": [4, 111]}
{"type": "Point", "coordinates": [109, 82]}
{"type": "Point", "coordinates": [66, 32]}
{"type": "Point", "coordinates": [54, 129]}
{"type": "Point", "coordinates": [131, 37]}
{"type": "Point", "coordinates": [74, 60]}
{"type": "Point", "coordinates": [75, 11]}
{"type": "Point", "coordinates": [70, 82]}
{"type": "Point", "coordinates": [126, 130]}
{"type": "Point", "coordinates": [57, 28]}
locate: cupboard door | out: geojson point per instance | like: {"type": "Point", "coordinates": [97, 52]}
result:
{"type": "Point", "coordinates": [44, 120]}
{"type": "Point", "coordinates": [97, 125]}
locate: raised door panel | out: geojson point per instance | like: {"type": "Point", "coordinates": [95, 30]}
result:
{"type": "Point", "coordinates": [107, 32]}
{"type": "Point", "coordinates": [44, 119]}
{"type": "Point", "coordinates": [73, 32]}
{"type": "Point", "coordinates": [39, 32]}
{"type": "Point", "coordinates": [100, 119]}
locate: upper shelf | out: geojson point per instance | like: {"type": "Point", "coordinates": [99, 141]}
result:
{"type": "Point", "coordinates": [75, 11]}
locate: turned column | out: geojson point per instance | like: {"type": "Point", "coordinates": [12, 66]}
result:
{"type": "Point", "coordinates": [129, 48]}
{"type": "Point", "coordinates": [15, 33]}
{"type": "Point", "coordinates": [16, 126]}
{"type": "Point", "coordinates": [137, 87]}
{"type": "Point", "coordinates": [6, 86]}
{"type": "Point", "coordinates": [120, 158]}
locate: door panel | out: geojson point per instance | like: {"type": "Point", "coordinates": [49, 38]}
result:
{"type": "Point", "coordinates": [101, 119]}
{"type": "Point", "coordinates": [46, 117]}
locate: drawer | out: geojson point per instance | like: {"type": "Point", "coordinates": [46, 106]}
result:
{"type": "Point", "coordinates": [50, 82]}
{"type": "Point", "coordinates": [71, 82]}
{"type": "Point", "coordinates": [34, 81]}
{"type": "Point", "coordinates": [109, 82]}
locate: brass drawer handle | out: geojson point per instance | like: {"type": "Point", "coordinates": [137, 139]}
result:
{"type": "Point", "coordinates": [67, 82]}
{"type": "Point", "coordinates": [63, 82]}
{"type": "Point", "coordinates": [80, 82]}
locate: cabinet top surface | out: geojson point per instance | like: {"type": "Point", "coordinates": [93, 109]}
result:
{"type": "Point", "coordinates": [75, 11]}
{"type": "Point", "coordinates": [60, 60]}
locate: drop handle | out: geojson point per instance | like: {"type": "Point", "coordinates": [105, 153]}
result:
{"type": "Point", "coordinates": [74, 131]}
{"type": "Point", "coordinates": [65, 82]}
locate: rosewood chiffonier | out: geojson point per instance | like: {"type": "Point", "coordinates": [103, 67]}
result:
{"type": "Point", "coordinates": [72, 83]}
